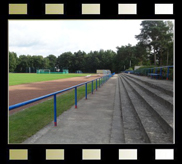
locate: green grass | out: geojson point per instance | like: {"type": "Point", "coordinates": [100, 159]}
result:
{"type": "Point", "coordinates": [23, 78]}
{"type": "Point", "coordinates": [26, 123]}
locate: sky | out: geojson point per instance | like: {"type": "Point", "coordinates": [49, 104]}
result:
{"type": "Point", "coordinates": [45, 37]}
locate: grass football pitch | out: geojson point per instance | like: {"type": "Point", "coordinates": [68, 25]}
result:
{"type": "Point", "coordinates": [23, 78]}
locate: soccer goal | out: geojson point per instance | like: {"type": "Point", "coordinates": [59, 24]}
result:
{"type": "Point", "coordinates": [43, 71]}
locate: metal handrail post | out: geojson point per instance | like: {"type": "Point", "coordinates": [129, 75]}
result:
{"type": "Point", "coordinates": [161, 73]}
{"type": "Point", "coordinates": [55, 112]}
{"type": "Point", "coordinates": [92, 87]}
{"type": "Point", "coordinates": [156, 72]}
{"type": "Point", "coordinates": [75, 97]}
{"type": "Point", "coordinates": [85, 91]}
{"type": "Point", "coordinates": [167, 73]}
{"type": "Point", "coordinates": [96, 84]}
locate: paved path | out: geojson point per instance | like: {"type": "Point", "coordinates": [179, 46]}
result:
{"type": "Point", "coordinates": [90, 123]}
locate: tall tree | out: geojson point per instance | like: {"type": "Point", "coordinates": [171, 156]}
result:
{"type": "Point", "coordinates": [46, 63]}
{"type": "Point", "coordinates": [65, 60]}
{"type": "Point", "coordinates": [22, 63]}
{"type": "Point", "coordinates": [126, 56]}
{"type": "Point", "coordinates": [38, 61]}
{"type": "Point", "coordinates": [93, 61]}
{"type": "Point", "coordinates": [154, 35]}
{"type": "Point", "coordinates": [107, 59]}
{"type": "Point", "coordinates": [169, 44]}
{"type": "Point", "coordinates": [80, 61]}
{"type": "Point", "coordinates": [52, 60]}
{"type": "Point", "coordinates": [12, 61]}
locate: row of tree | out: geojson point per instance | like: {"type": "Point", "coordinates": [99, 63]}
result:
{"type": "Point", "coordinates": [72, 61]}
{"type": "Point", "coordinates": [155, 47]}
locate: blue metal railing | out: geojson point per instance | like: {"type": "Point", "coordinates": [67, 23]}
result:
{"type": "Point", "coordinates": [102, 80]}
{"type": "Point", "coordinates": [146, 71]}
{"type": "Point", "coordinates": [127, 71]}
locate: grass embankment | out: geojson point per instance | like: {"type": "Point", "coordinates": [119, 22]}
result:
{"type": "Point", "coordinates": [26, 123]}
{"type": "Point", "coordinates": [23, 78]}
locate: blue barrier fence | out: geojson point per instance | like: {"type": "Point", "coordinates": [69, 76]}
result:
{"type": "Point", "coordinates": [127, 71]}
{"type": "Point", "coordinates": [156, 70]}
{"type": "Point", "coordinates": [102, 80]}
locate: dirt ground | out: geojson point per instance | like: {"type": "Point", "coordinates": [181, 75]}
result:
{"type": "Point", "coordinates": [24, 92]}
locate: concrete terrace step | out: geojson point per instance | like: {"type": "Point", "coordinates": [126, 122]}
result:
{"type": "Point", "coordinates": [162, 114]}
{"type": "Point", "coordinates": [155, 93]}
{"type": "Point", "coordinates": [117, 130]}
{"type": "Point", "coordinates": [165, 86]}
{"type": "Point", "coordinates": [134, 131]}
{"type": "Point", "coordinates": [148, 118]}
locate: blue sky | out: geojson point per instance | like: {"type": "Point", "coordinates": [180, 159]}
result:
{"type": "Point", "coordinates": [44, 37]}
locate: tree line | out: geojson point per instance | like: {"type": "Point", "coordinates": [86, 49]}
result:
{"type": "Point", "coordinates": [154, 47]}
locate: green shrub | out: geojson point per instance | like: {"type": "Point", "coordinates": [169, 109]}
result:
{"type": "Point", "coordinates": [164, 73]}
{"type": "Point", "coordinates": [143, 71]}
{"type": "Point", "coordinates": [130, 69]}
{"type": "Point", "coordinates": [145, 66]}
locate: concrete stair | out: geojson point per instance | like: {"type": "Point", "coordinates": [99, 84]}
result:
{"type": "Point", "coordinates": [146, 110]}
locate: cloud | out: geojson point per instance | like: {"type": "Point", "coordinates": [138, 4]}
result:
{"type": "Point", "coordinates": [44, 37]}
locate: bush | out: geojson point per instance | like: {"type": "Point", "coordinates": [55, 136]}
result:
{"type": "Point", "coordinates": [130, 69]}
{"type": "Point", "coordinates": [164, 73]}
{"type": "Point", "coordinates": [170, 74]}
{"type": "Point", "coordinates": [145, 66]}
{"type": "Point", "coordinates": [147, 62]}
{"type": "Point", "coordinates": [143, 71]}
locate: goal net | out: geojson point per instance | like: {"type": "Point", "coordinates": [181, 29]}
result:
{"type": "Point", "coordinates": [43, 71]}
